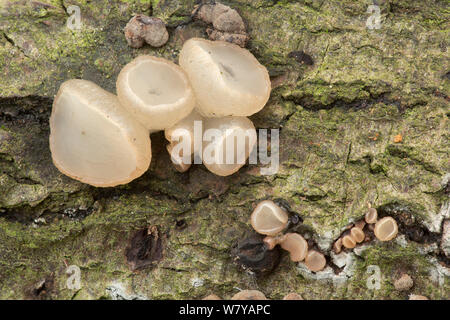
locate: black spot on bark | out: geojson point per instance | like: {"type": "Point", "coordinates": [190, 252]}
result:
{"type": "Point", "coordinates": [145, 249]}
{"type": "Point", "coordinates": [301, 57]}
{"type": "Point", "coordinates": [252, 255]}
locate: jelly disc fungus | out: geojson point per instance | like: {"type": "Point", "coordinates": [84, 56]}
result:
{"type": "Point", "coordinates": [94, 139]}
{"type": "Point", "coordinates": [156, 91]}
{"type": "Point", "coordinates": [337, 246]}
{"type": "Point", "coordinates": [371, 215]}
{"type": "Point", "coordinates": [268, 218]}
{"type": "Point", "coordinates": [357, 234]}
{"type": "Point", "coordinates": [315, 261]}
{"type": "Point", "coordinates": [296, 245]}
{"type": "Point", "coordinates": [386, 229]}
{"type": "Point", "coordinates": [348, 242]}
{"type": "Point", "coordinates": [227, 144]}
{"type": "Point", "coordinates": [227, 79]}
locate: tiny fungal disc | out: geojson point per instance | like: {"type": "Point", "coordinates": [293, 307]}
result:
{"type": "Point", "coordinates": [296, 245]}
{"type": "Point", "coordinates": [357, 234]}
{"type": "Point", "coordinates": [371, 215]}
{"type": "Point", "coordinates": [348, 242]}
{"type": "Point", "coordinates": [386, 229]}
{"type": "Point", "coordinates": [315, 261]}
{"type": "Point", "coordinates": [268, 218]}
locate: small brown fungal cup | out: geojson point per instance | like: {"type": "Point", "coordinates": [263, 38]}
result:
{"type": "Point", "coordinates": [360, 224]}
{"type": "Point", "coordinates": [296, 245]}
{"type": "Point", "coordinates": [315, 261]}
{"type": "Point", "coordinates": [271, 242]}
{"type": "Point", "coordinates": [337, 246]}
{"type": "Point", "coordinates": [371, 216]}
{"type": "Point", "coordinates": [348, 242]}
{"type": "Point", "coordinates": [357, 234]}
{"type": "Point", "coordinates": [386, 229]}
{"type": "Point", "coordinates": [268, 218]}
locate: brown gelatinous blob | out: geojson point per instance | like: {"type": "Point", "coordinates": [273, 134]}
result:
{"type": "Point", "coordinates": [386, 229]}
{"type": "Point", "coordinates": [371, 215]}
{"type": "Point", "coordinates": [142, 28]}
{"type": "Point", "coordinates": [296, 245]}
{"type": "Point", "coordinates": [357, 234]}
{"type": "Point", "coordinates": [249, 295]}
{"type": "Point", "coordinates": [268, 218]}
{"type": "Point", "coordinates": [227, 23]}
{"type": "Point", "coordinates": [236, 38]}
{"type": "Point", "coordinates": [315, 261]}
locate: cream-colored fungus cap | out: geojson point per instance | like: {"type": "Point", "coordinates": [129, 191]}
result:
{"type": "Point", "coordinates": [184, 130]}
{"type": "Point", "coordinates": [296, 245]}
{"type": "Point", "coordinates": [227, 79]}
{"type": "Point", "coordinates": [156, 91]}
{"type": "Point", "coordinates": [93, 139]}
{"type": "Point", "coordinates": [315, 261]}
{"type": "Point", "coordinates": [386, 229]}
{"type": "Point", "coordinates": [268, 218]}
{"type": "Point", "coordinates": [227, 144]}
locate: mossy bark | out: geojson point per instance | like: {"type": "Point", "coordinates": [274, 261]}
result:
{"type": "Point", "coordinates": [337, 120]}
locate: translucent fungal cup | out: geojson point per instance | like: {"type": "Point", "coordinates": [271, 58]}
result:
{"type": "Point", "coordinates": [227, 79]}
{"type": "Point", "coordinates": [268, 218]}
{"type": "Point", "coordinates": [156, 91]}
{"type": "Point", "coordinates": [93, 139]}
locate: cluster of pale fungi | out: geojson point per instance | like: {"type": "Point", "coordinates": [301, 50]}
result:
{"type": "Point", "coordinates": [271, 220]}
{"type": "Point", "coordinates": [103, 140]}
{"type": "Point", "coordinates": [384, 229]}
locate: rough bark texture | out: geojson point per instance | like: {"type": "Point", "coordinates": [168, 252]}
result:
{"type": "Point", "coordinates": [338, 119]}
